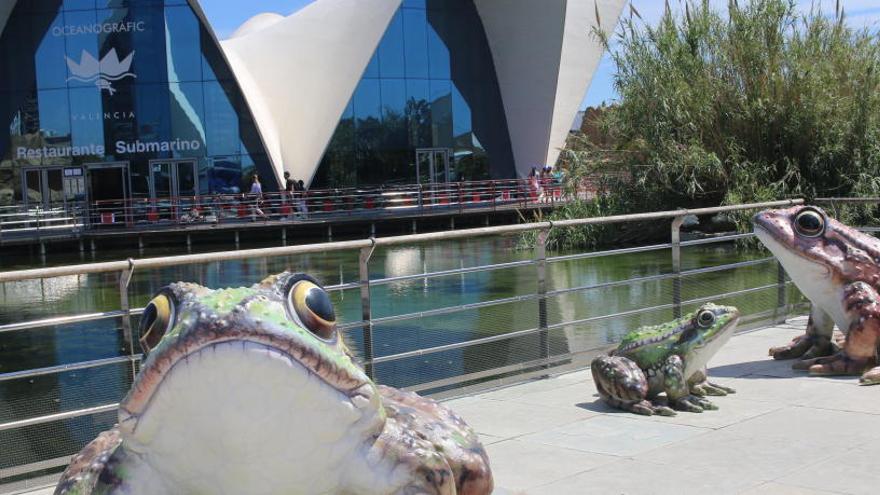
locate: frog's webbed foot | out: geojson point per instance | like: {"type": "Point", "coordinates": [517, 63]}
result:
{"type": "Point", "coordinates": [647, 408]}
{"type": "Point", "coordinates": [816, 342]}
{"type": "Point", "coordinates": [709, 388]}
{"type": "Point", "coordinates": [871, 377]}
{"type": "Point", "coordinates": [692, 403]}
{"type": "Point", "coordinates": [839, 364]}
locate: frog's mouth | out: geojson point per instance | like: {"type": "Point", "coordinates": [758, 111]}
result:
{"type": "Point", "coordinates": [246, 412]}
{"type": "Point", "coordinates": [225, 372]}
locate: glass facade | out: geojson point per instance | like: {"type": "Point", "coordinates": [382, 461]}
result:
{"type": "Point", "coordinates": [102, 99]}
{"type": "Point", "coordinates": [430, 85]}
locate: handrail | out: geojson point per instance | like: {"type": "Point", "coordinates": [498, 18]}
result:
{"type": "Point", "coordinates": [166, 261]}
{"type": "Point", "coordinates": [129, 360]}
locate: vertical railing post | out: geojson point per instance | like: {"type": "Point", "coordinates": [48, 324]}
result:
{"type": "Point", "coordinates": [781, 294]}
{"type": "Point", "coordinates": [128, 334]}
{"type": "Point", "coordinates": [541, 258]}
{"type": "Point", "coordinates": [366, 308]}
{"type": "Point", "coordinates": [460, 198]}
{"type": "Point", "coordinates": [676, 265]}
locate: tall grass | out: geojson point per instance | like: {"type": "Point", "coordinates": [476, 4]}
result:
{"type": "Point", "coordinates": [759, 101]}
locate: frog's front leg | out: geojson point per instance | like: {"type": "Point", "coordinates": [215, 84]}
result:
{"type": "Point", "coordinates": [859, 354]}
{"type": "Point", "coordinates": [622, 384]}
{"type": "Point", "coordinates": [699, 384]}
{"type": "Point", "coordinates": [678, 390]}
{"type": "Point", "coordinates": [815, 342]}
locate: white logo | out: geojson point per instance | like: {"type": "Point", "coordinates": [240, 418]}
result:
{"type": "Point", "coordinates": [104, 72]}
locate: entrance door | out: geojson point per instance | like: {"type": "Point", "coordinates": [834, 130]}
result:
{"type": "Point", "coordinates": [43, 188]}
{"type": "Point", "coordinates": [432, 169]}
{"type": "Point", "coordinates": [432, 165]}
{"type": "Point", "coordinates": [173, 187]}
{"type": "Point", "coordinates": [108, 192]}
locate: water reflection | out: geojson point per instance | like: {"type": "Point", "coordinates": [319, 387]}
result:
{"type": "Point", "coordinates": [104, 338]}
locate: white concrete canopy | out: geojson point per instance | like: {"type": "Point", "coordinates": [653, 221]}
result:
{"type": "Point", "coordinates": [545, 55]}
{"type": "Point", "coordinates": [298, 74]}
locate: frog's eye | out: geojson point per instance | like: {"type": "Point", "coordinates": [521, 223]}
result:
{"type": "Point", "coordinates": [311, 305]}
{"type": "Point", "coordinates": [705, 318]}
{"type": "Point", "coordinates": [157, 319]}
{"type": "Point", "coordinates": [809, 223]}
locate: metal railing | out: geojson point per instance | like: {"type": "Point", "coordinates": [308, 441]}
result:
{"type": "Point", "coordinates": [542, 356]}
{"type": "Point", "coordinates": [289, 207]}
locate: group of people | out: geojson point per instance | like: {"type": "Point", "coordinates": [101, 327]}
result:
{"type": "Point", "coordinates": [293, 191]}
{"type": "Point", "coordinates": [544, 182]}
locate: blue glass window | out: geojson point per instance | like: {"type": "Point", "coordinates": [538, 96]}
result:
{"type": "Point", "coordinates": [82, 50]}
{"type": "Point", "coordinates": [367, 101]}
{"type": "Point", "coordinates": [131, 76]}
{"type": "Point", "coordinates": [86, 116]}
{"type": "Point", "coordinates": [434, 52]}
{"type": "Point", "coordinates": [372, 69]}
{"type": "Point", "coordinates": [50, 62]}
{"type": "Point", "coordinates": [54, 114]}
{"type": "Point", "coordinates": [182, 44]}
{"type": "Point", "coordinates": [78, 5]}
{"type": "Point", "coordinates": [415, 31]}
{"type": "Point", "coordinates": [391, 52]}
{"type": "Point", "coordinates": [188, 115]}
{"type": "Point", "coordinates": [221, 121]}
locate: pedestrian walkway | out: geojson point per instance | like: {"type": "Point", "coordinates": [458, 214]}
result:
{"type": "Point", "coordinates": [782, 432]}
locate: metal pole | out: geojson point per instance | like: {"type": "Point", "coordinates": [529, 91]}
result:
{"type": "Point", "coordinates": [366, 309]}
{"type": "Point", "coordinates": [541, 258]}
{"type": "Point", "coordinates": [781, 296]}
{"type": "Point", "coordinates": [128, 335]}
{"type": "Point", "coordinates": [676, 265]}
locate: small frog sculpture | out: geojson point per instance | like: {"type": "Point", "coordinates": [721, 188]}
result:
{"type": "Point", "coordinates": [838, 269]}
{"type": "Point", "coordinates": [253, 390]}
{"type": "Point", "coordinates": [668, 358]}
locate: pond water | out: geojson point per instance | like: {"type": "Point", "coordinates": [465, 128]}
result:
{"type": "Point", "coordinates": [22, 301]}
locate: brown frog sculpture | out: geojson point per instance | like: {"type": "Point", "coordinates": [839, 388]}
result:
{"type": "Point", "coordinates": [838, 269]}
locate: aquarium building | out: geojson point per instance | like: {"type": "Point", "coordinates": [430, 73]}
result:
{"type": "Point", "coordinates": [136, 99]}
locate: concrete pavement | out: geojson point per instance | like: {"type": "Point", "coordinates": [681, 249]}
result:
{"type": "Point", "coordinates": [783, 432]}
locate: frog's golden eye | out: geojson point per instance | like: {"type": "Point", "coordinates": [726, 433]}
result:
{"type": "Point", "coordinates": [311, 305]}
{"type": "Point", "coordinates": [157, 319]}
{"type": "Point", "coordinates": [705, 318]}
{"type": "Point", "coordinates": [809, 223]}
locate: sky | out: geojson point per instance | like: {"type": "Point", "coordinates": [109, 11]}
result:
{"type": "Point", "coordinates": [225, 16]}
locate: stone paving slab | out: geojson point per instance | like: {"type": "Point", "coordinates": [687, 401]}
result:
{"type": "Point", "coordinates": [783, 432]}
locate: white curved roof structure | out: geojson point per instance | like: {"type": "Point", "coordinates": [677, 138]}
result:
{"type": "Point", "coordinates": [298, 72]}
{"type": "Point", "coordinates": [545, 56]}
{"type": "Point", "coordinates": [256, 23]}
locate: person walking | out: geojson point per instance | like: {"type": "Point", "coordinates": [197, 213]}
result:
{"type": "Point", "coordinates": [257, 196]}
{"type": "Point", "coordinates": [300, 187]}
{"type": "Point", "coordinates": [289, 184]}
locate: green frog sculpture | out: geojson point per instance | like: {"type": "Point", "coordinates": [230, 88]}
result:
{"type": "Point", "coordinates": [838, 269]}
{"type": "Point", "coordinates": [253, 390]}
{"type": "Point", "coordinates": [669, 358]}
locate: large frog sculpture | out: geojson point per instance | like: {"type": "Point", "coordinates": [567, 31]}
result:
{"type": "Point", "coordinates": [252, 390]}
{"type": "Point", "coordinates": [838, 269]}
{"type": "Point", "coordinates": [668, 358]}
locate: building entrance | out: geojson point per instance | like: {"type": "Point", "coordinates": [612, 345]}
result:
{"type": "Point", "coordinates": [173, 187]}
{"type": "Point", "coordinates": [432, 165]}
{"type": "Point", "coordinates": [43, 188]}
{"type": "Point", "coordinates": [108, 192]}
